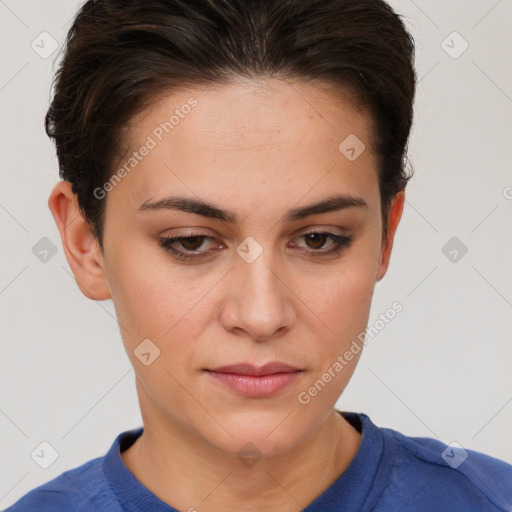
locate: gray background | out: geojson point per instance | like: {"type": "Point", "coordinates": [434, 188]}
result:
{"type": "Point", "coordinates": [441, 368]}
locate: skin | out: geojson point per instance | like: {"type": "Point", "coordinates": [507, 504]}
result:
{"type": "Point", "coordinates": [258, 149]}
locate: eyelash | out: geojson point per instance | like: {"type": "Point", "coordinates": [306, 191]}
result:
{"type": "Point", "coordinates": [169, 243]}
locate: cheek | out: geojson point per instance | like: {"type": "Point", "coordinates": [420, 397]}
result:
{"type": "Point", "coordinates": [149, 299]}
{"type": "Point", "coordinates": [343, 303]}
{"type": "Point", "coordinates": [151, 303]}
{"type": "Point", "coordinates": [344, 307]}
{"type": "Point", "coordinates": [157, 301]}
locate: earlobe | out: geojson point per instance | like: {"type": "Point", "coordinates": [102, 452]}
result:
{"type": "Point", "coordinates": [395, 215]}
{"type": "Point", "coordinates": [80, 246]}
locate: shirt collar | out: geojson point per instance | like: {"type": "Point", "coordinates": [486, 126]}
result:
{"type": "Point", "coordinates": [357, 488]}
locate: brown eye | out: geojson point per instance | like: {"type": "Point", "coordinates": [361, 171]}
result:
{"type": "Point", "coordinates": [187, 247]}
{"type": "Point", "coordinates": [192, 243]}
{"type": "Point", "coordinates": [316, 240]}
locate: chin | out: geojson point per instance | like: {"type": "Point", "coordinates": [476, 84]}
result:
{"type": "Point", "coordinates": [268, 431]}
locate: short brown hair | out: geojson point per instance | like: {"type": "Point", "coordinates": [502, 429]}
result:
{"type": "Point", "coordinates": [121, 54]}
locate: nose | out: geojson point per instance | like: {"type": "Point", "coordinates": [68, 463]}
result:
{"type": "Point", "coordinates": [258, 302]}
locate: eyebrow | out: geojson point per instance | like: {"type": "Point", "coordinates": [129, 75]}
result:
{"type": "Point", "coordinates": [201, 207]}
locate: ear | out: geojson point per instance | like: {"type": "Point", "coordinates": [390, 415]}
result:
{"type": "Point", "coordinates": [394, 217]}
{"type": "Point", "coordinates": [80, 246]}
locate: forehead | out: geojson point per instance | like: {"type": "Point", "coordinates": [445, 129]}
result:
{"type": "Point", "coordinates": [282, 134]}
{"type": "Point", "coordinates": [256, 111]}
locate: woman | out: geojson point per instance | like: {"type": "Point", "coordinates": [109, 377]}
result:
{"type": "Point", "coordinates": [233, 178]}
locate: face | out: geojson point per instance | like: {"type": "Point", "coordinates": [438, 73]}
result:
{"type": "Point", "coordinates": [252, 276]}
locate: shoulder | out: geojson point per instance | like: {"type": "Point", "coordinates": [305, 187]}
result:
{"type": "Point", "coordinates": [81, 489]}
{"type": "Point", "coordinates": [460, 479]}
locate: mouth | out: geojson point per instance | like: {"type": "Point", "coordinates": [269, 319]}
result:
{"type": "Point", "coordinates": [255, 381]}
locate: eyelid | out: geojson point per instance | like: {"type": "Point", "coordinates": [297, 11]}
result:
{"type": "Point", "coordinates": [340, 242]}
{"type": "Point", "coordinates": [312, 228]}
{"type": "Point", "coordinates": [315, 228]}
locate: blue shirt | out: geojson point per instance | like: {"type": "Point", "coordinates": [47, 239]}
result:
{"type": "Point", "coordinates": [391, 472]}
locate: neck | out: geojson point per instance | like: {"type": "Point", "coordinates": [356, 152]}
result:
{"type": "Point", "coordinates": [189, 474]}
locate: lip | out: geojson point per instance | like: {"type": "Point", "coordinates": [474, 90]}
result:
{"type": "Point", "coordinates": [250, 369]}
{"type": "Point", "coordinates": [256, 381]}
